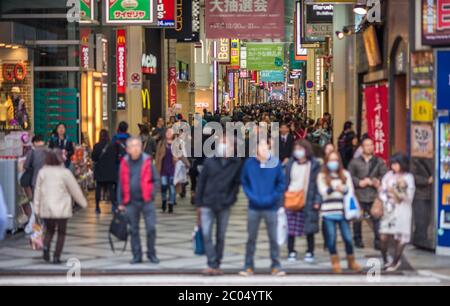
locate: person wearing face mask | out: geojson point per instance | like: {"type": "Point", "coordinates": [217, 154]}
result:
{"type": "Point", "coordinates": [301, 175]}
{"type": "Point", "coordinates": [334, 182]}
{"type": "Point", "coordinates": [217, 190]}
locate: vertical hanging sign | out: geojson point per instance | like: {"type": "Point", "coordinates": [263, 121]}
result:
{"type": "Point", "coordinates": [172, 87]}
{"type": "Point", "coordinates": [121, 62]}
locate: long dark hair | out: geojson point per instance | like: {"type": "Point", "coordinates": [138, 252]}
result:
{"type": "Point", "coordinates": [327, 171]}
{"type": "Point", "coordinates": [53, 158]}
{"type": "Point", "coordinates": [305, 144]}
{"type": "Point", "coordinates": [104, 136]}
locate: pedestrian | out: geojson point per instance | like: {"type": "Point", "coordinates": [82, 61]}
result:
{"type": "Point", "coordinates": [55, 191]}
{"type": "Point", "coordinates": [423, 206]}
{"type": "Point", "coordinates": [34, 162]}
{"type": "Point", "coordinates": [159, 131]}
{"type": "Point", "coordinates": [286, 143]}
{"type": "Point", "coordinates": [397, 194]}
{"type": "Point", "coordinates": [120, 142]}
{"type": "Point", "coordinates": [301, 176]}
{"type": "Point", "coordinates": [263, 181]}
{"type": "Point", "coordinates": [166, 160]}
{"type": "Point", "coordinates": [346, 145]}
{"type": "Point", "coordinates": [217, 190]}
{"type": "Point", "coordinates": [138, 182]}
{"type": "Point", "coordinates": [61, 141]}
{"type": "Point", "coordinates": [105, 170]}
{"type": "Point", "coordinates": [334, 183]}
{"type": "Point", "coordinates": [3, 215]}
{"type": "Point", "coordinates": [367, 172]}
{"type": "Point", "coordinates": [148, 141]}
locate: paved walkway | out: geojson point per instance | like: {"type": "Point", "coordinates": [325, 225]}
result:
{"type": "Point", "coordinates": [88, 243]}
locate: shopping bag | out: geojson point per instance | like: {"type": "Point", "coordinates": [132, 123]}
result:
{"type": "Point", "coordinates": [351, 207]}
{"type": "Point", "coordinates": [119, 229]}
{"type": "Point", "coordinates": [180, 176]}
{"type": "Point", "coordinates": [37, 237]}
{"type": "Point", "coordinates": [198, 242]}
{"type": "Point", "coordinates": [282, 227]}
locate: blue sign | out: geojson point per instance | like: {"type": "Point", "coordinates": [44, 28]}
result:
{"type": "Point", "coordinates": [273, 76]}
{"type": "Point", "coordinates": [443, 79]}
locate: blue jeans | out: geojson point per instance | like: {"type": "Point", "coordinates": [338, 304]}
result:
{"type": "Point", "coordinates": [254, 220]}
{"type": "Point", "coordinates": [330, 226]}
{"type": "Point", "coordinates": [209, 217]}
{"type": "Point", "coordinates": [167, 185]}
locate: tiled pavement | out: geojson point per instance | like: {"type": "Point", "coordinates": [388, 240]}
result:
{"type": "Point", "coordinates": [87, 241]}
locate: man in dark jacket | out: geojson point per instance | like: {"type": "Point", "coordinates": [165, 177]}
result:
{"type": "Point", "coordinates": [120, 141]}
{"type": "Point", "coordinates": [217, 189]}
{"type": "Point", "coordinates": [286, 143]}
{"type": "Point", "coordinates": [423, 208]}
{"type": "Point", "coordinates": [345, 144]}
{"type": "Point", "coordinates": [367, 172]}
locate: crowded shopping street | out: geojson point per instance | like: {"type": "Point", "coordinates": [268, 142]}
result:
{"type": "Point", "coordinates": [217, 143]}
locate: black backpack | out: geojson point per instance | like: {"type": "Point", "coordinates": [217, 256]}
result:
{"type": "Point", "coordinates": [119, 229]}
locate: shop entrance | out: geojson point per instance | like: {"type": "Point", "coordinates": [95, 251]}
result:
{"type": "Point", "coordinates": [91, 106]}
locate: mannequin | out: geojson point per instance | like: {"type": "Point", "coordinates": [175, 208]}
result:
{"type": "Point", "coordinates": [20, 110]}
{"type": "Point", "coordinates": [6, 111]}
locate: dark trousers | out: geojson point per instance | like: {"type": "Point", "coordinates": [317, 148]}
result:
{"type": "Point", "coordinates": [357, 224]}
{"type": "Point", "coordinates": [309, 239]}
{"type": "Point", "coordinates": [100, 188]}
{"type": "Point", "coordinates": [214, 253]}
{"type": "Point", "coordinates": [52, 226]}
{"type": "Point", "coordinates": [134, 212]}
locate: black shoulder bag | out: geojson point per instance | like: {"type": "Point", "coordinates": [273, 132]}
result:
{"type": "Point", "coordinates": [119, 229]}
{"type": "Point", "coordinates": [26, 180]}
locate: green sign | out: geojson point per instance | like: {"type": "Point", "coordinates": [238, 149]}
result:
{"type": "Point", "coordinates": [262, 56]}
{"type": "Point", "coordinates": [130, 12]}
{"type": "Point", "coordinates": [293, 63]}
{"type": "Point", "coordinates": [86, 10]}
{"type": "Point", "coordinates": [276, 76]}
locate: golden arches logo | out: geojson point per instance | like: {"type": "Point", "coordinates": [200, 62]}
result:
{"type": "Point", "coordinates": [121, 40]}
{"type": "Point", "coordinates": [146, 101]}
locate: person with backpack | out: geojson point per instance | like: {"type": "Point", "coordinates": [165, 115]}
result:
{"type": "Point", "coordinates": [105, 170]}
{"type": "Point", "coordinates": [138, 182]}
{"type": "Point", "coordinates": [120, 141]}
{"type": "Point", "coordinates": [34, 162]}
{"type": "Point", "coordinates": [61, 141]}
{"type": "Point", "coordinates": [367, 172]}
{"type": "Point", "coordinates": [263, 181]}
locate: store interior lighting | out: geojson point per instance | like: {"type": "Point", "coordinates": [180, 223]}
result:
{"type": "Point", "coordinates": [360, 9]}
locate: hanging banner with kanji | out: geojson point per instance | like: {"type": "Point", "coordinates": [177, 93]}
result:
{"type": "Point", "coordinates": [377, 115]}
{"type": "Point", "coordinates": [244, 19]}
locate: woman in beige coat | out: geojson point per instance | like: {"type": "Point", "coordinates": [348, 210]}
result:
{"type": "Point", "coordinates": [55, 188]}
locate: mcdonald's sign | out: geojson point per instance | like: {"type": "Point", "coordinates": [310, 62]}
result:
{"type": "Point", "coordinates": [146, 99]}
{"type": "Point", "coordinates": [121, 61]}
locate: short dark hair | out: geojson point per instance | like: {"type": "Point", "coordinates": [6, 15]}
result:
{"type": "Point", "coordinates": [53, 158]}
{"type": "Point", "coordinates": [402, 160]}
{"type": "Point", "coordinates": [37, 138]}
{"type": "Point", "coordinates": [348, 125]}
{"type": "Point", "coordinates": [123, 127]}
{"type": "Point", "coordinates": [305, 144]}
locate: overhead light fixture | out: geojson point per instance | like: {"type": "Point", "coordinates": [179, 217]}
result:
{"type": "Point", "coordinates": [8, 46]}
{"type": "Point", "coordinates": [2, 45]}
{"type": "Point", "coordinates": [15, 47]}
{"type": "Point", "coordinates": [360, 9]}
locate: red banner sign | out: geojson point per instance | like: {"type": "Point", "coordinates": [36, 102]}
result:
{"type": "Point", "coordinates": [377, 113]}
{"type": "Point", "coordinates": [121, 61]}
{"type": "Point", "coordinates": [172, 86]}
{"type": "Point", "coordinates": [249, 19]}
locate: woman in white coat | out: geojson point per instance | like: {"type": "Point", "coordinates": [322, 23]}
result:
{"type": "Point", "coordinates": [55, 188]}
{"type": "Point", "coordinates": [397, 194]}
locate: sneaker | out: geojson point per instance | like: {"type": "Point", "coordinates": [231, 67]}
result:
{"type": "Point", "coordinates": [248, 272]}
{"type": "Point", "coordinates": [154, 259]}
{"type": "Point", "coordinates": [292, 257]}
{"type": "Point", "coordinates": [136, 261]}
{"type": "Point", "coordinates": [359, 245]}
{"type": "Point", "coordinates": [278, 272]}
{"type": "Point", "coordinates": [309, 258]}
{"type": "Point", "coordinates": [394, 268]}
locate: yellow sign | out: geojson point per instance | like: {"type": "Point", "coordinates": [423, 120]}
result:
{"type": "Point", "coordinates": [422, 104]}
{"type": "Point", "coordinates": [235, 60]}
{"type": "Point", "coordinates": [145, 99]}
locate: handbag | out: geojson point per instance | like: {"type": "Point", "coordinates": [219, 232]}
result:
{"type": "Point", "coordinates": [119, 230]}
{"type": "Point", "coordinates": [282, 227]}
{"type": "Point", "coordinates": [294, 201]}
{"type": "Point", "coordinates": [351, 207]}
{"type": "Point", "coordinates": [198, 243]}
{"type": "Point", "coordinates": [377, 210]}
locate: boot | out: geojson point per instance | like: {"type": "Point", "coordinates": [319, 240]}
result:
{"type": "Point", "coordinates": [336, 264]}
{"type": "Point", "coordinates": [46, 255]}
{"type": "Point", "coordinates": [164, 206]}
{"type": "Point", "coordinates": [353, 265]}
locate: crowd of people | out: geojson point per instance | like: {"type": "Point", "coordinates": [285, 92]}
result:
{"type": "Point", "coordinates": [311, 178]}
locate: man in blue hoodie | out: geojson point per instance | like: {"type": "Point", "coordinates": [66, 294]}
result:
{"type": "Point", "coordinates": [263, 181]}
